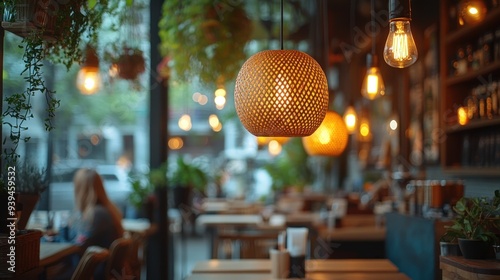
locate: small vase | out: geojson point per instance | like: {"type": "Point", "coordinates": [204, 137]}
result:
{"type": "Point", "coordinates": [475, 249]}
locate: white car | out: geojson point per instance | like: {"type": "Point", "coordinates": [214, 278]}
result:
{"type": "Point", "coordinates": [117, 187]}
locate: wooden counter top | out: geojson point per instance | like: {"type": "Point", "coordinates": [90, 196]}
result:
{"type": "Point", "coordinates": [485, 267]}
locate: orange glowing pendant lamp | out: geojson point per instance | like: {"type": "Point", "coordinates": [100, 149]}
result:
{"type": "Point", "coordinates": [330, 139]}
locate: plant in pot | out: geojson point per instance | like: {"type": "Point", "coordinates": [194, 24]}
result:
{"type": "Point", "coordinates": [30, 183]}
{"type": "Point", "coordinates": [141, 197]}
{"type": "Point", "coordinates": [51, 31]}
{"type": "Point", "coordinates": [185, 177]}
{"type": "Point", "coordinates": [475, 225]}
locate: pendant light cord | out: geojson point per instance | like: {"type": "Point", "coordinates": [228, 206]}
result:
{"type": "Point", "coordinates": [372, 12]}
{"type": "Point", "coordinates": [281, 25]}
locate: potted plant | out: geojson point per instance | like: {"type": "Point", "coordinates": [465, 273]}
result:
{"type": "Point", "coordinates": [185, 177]}
{"type": "Point", "coordinates": [475, 225]}
{"type": "Point", "coordinates": [141, 197]}
{"type": "Point", "coordinates": [30, 183]}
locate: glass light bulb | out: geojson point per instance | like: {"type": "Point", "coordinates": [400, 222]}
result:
{"type": "Point", "coordinates": [88, 80]}
{"type": "Point", "coordinates": [350, 119]}
{"type": "Point", "coordinates": [373, 84]}
{"type": "Point", "coordinates": [400, 50]}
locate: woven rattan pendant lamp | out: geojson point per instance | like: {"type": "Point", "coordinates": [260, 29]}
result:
{"type": "Point", "coordinates": [281, 93]}
{"type": "Point", "coordinates": [330, 139]}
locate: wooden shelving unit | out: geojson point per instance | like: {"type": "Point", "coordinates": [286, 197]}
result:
{"type": "Point", "coordinates": [472, 149]}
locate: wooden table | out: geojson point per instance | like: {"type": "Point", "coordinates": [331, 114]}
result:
{"type": "Point", "coordinates": [260, 269]}
{"type": "Point", "coordinates": [52, 253]}
{"type": "Point", "coordinates": [316, 266]}
{"type": "Point", "coordinates": [361, 233]}
{"type": "Point", "coordinates": [309, 276]}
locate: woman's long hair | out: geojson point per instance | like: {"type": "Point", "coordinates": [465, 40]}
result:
{"type": "Point", "coordinates": [89, 192]}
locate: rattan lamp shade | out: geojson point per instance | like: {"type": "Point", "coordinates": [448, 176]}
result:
{"type": "Point", "coordinates": [281, 93]}
{"type": "Point", "coordinates": [330, 139]}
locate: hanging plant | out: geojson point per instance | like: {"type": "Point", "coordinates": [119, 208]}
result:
{"type": "Point", "coordinates": [131, 63]}
{"type": "Point", "coordinates": [204, 39]}
{"type": "Point", "coordinates": [53, 31]}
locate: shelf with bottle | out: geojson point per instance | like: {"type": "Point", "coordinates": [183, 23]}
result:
{"type": "Point", "coordinates": [478, 107]}
{"type": "Point", "coordinates": [469, 59]}
{"type": "Point", "coordinates": [470, 96]}
{"type": "Point", "coordinates": [459, 28]}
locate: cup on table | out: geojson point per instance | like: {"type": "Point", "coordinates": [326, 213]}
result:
{"type": "Point", "coordinates": [280, 263]}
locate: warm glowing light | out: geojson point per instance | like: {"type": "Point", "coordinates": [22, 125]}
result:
{"type": "Point", "coordinates": [217, 128]}
{"type": "Point", "coordinates": [472, 11]}
{"type": "Point", "coordinates": [281, 93]}
{"type": "Point", "coordinates": [274, 148]}
{"type": "Point", "coordinates": [373, 84]}
{"type": "Point", "coordinates": [393, 125]}
{"type": "Point", "coordinates": [220, 92]}
{"type": "Point", "coordinates": [400, 50]}
{"type": "Point", "coordinates": [350, 119]}
{"type": "Point", "coordinates": [330, 139]}
{"type": "Point", "coordinates": [220, 101]}
{"type": "Point", "coordinates": [175, 143]}
{"type": "Point", "coordinates": [462, 116]}
{"type": "Point", "coordinates": [213, 120]}
{"type": "Point", "coordinates": [185, 122]}
{"type": "Point", "coordinates": [88, 80]}
{"type": "Point", "coordinates": [262, 140]}
{"type": "Point", "coordinates": [364, 129]}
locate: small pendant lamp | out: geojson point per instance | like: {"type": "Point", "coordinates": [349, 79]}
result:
{"type": "Point", "coordinates": [330, 139]}
{"type": "Point", "coordinates": [88, 80]}
{"type": "Point", "coordinates": [281, 93]}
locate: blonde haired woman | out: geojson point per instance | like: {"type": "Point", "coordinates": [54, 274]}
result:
{"type": "Point", "coordinates": [98, 222]}
{"type": "Point", "coordinates": [97, 211]}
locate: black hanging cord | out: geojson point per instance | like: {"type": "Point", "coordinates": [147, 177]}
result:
{"type": "Point", "coordinates": [281, 25]}
{"type": "Point", "coordinates": [372, 12]}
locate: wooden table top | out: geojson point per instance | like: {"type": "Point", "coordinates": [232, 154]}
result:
{"type": "Point", "coordinates": [361, 233]}
{"type": "Point", "coordinates": [53, 252]}
{"type": "Point", "coordinates": [309, 276]}
{"type": "Point", "coordinates": [316, 266]}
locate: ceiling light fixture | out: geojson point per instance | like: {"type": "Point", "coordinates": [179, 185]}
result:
{"type": "Point", "coordinates": [400, 50]}
{"type": "Point", "coordinates": [281, 92]}
{"type": "Point", "coordinates": [88, 80]}
{"type": "Point", "coordinates": [373, 84]}
{"type": "Point", "coordinates": [330, 139]}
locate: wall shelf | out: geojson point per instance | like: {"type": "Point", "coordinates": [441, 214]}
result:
{"type": "Point", "coordinates": [471, 149]}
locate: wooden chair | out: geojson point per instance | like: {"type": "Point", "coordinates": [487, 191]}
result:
{"type": "Point", "coordinates": [134, 260]}
{"type": "Point", "coordinates": [92, 257]}
{"type": "Point", "coordinates": [117, 265]}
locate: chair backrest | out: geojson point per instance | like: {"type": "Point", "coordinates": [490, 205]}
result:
{"type": "Point", "coordinates": [92, 257]}
{"type": "Point", "coordinates": [116, 265]}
